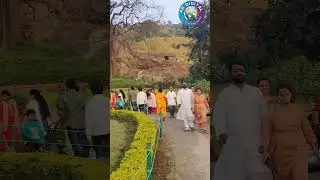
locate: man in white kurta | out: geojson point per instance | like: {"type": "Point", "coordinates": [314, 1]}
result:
{"type": "Point", "coordinates": [184, 100]}
{"type": "Point", "coordinates": [238, 114]}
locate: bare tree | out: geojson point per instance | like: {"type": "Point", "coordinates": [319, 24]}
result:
{"type": "Point", "coordinates": [125, 13]}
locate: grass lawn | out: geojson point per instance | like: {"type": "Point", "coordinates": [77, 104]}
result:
{"type": "Point", "coordinates": [124, 83]}
{"type": "Point", "coordinates": [119, 142]}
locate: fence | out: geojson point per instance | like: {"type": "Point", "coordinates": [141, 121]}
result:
{"type": "Point", "coordinates": [56, 139]}
{"type": "Point", "coordinates": [151, 156]}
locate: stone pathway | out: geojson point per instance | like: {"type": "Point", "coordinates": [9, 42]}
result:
{"type": "Point", "coordinates": [191, 151]}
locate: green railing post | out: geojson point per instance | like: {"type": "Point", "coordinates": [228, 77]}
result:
{"type": "Point", "coordinates": [160, 125]}
{"type": "Point", "coordinates": [149, 161]}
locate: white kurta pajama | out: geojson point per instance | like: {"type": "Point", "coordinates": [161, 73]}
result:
{"type": "Point", "coordinates": [239, 114]}
{"type": "Point", "coordinates": [184, 98]}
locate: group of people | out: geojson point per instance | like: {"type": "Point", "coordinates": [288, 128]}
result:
{"type": "Point", "coordinates": [192, 105]}
{"type": "Point", "coordinates": [261, 135]}
{"type": "Point", "coordinates": [86, 123]}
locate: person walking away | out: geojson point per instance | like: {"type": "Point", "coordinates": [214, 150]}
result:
{"type": "Point", "coordinates": [200, 107]}
{"type": "Point", "coordinates": [113, 99]}
{"type": "Point", "coordinates": [152, 104]}
{"type": "Point", "coordinates": [40, 106]}
{"type": "Point", "coordinates": [97, 121]}
{"type": "Point", "coordinates": [142, 101]}
{"type": "Point", "coordinates": [264, 87]}
{"type": "Point", "coordinates": [120, 103]}
{"type": "Point", "coordinates": [71, 107]}
{"type": "Point", "coordinates": [286, 135]}
{"type": "Point", "coordinates": [184, 100]}
{"type": "Point", "coordinates": [132, 97]}
{"type": "Point", "coordinates": [154, 99]}
{"type": "Point", "coordinates": [238, 115]}
{"type": "Point", "coordinates": [161, 101]}
{"type": "Point", "coordinates": [9, 117]}
{"type": "Point", "coordinates": [172, 103]}
{"type": "Point", "coordinates": [33, 132]}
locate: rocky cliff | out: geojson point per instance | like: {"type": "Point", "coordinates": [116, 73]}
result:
{"type": "Point", "coordinates": [154, 66]}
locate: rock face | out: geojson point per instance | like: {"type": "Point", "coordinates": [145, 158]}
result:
{"type": "Point", "coordinates": [153, 66]}
{"type": "Point", "coordinates": [73, 25]}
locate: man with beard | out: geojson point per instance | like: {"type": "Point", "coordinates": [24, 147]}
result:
{"type": "Point", "coordinates": [238, 115]}
{"type": "Point", "coordinates": [184, 100]}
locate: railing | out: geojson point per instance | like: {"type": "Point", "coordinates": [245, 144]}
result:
{"type": "Point", "coordinates": [62, 141]}
{"type": "Point", "coordinates": [151, 156]}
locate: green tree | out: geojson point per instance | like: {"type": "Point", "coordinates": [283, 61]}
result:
{"type": "Point", "coordinates": [200, 51]}
{"type": "Point", "coordinates": [289, 29]}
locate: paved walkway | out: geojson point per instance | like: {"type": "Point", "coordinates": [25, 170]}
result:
{"type": "Point", "coordinates": [191, 151]}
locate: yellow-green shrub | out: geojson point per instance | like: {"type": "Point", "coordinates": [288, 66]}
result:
{"type": "Point", "coordinates": [30, 166]}
{"type": "Point", "coordinates": [133, 164]}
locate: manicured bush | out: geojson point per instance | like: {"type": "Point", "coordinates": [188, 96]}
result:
{"type": "Point", "coordinates": [133, 163]}
{"type": "Point", "coordinates": [30, 166]}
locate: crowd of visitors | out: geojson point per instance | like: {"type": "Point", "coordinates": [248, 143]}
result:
{"type": "Point", "coordinates": [192, 104]}
{"type": "Point", "coordinates": [84, 122]}
{"type": "Point", "coordinates": [261, 135]}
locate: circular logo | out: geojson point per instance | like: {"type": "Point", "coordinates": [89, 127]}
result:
{"type": "Point", "coordinates": [191, 13]}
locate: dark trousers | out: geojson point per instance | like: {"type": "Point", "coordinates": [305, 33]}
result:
{"type": "Point", "coordinates": [143, 108]}
{"type": "Point", "coordinates": [100, 145]}
{"type": "Point", "coordinates": [172, 110]}
{"type": "Point", "coordinates": [134, 106]}
{"type": "Point", "coordinates": [33, 147]}
{"type": "Point", "coordinates": [316, 130]}
{"type": "Point", "coordinates": [79, 142]}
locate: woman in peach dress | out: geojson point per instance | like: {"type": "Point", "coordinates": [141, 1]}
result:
{"type": "Point", "coordinates": [286, 136]}
{"type": "Point", "coordinates": [199, 108]}
{"type": "Point", "coordinates": [10, 123]}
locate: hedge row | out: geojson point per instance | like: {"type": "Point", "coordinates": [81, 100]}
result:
{"type": "Point", "coordinates": [133, 163]}
{"type": "Point", "coordinates": [29, 166]}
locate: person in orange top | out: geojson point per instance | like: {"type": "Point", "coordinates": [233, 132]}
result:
{"type": "Point", "coordinates": [9, 120]}
{"type": "Point", "coordinates": [113, 100]}
{"type": "Point", "coordinates": [161, 104]}
{"type": "Point", "coordinates": [199, 108]}
{"type": "Point", "coordinates": [264, 87]}
{"type": "Point", "coordinates": [286, 137]}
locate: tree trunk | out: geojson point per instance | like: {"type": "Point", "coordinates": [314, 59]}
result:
{"type": "Point", "coordinates": [5, 25]}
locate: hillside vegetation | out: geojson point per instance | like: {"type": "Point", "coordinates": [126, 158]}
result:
{"type": "Point", "coordinates": [44, 64]}
{"type": "Point", "coordinates": [177, 46]}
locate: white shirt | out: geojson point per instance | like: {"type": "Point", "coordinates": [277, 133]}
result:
{"type": "Point", "coordinates": [171, 96]}
{"type": "Point", "coordinates": [141, 98]}
{"type": "Point", "coordinates": [184, 98]}
{"type": "Point", "coordinates": [33, 104]}
{"type": "Point", "coordinates": [97, 116]}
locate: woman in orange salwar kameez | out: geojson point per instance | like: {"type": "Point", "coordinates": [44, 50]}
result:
{"type": "Point", "coordinates": [113, 100]}
{"type": "Point", "coordinates": [200, 107]}
{"type": "Point", "coordinates": [10, 123]}
{"type": "Point", "coordinates": [161, 104]}
{"type": "Point", "coordinates": [286, 135]}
